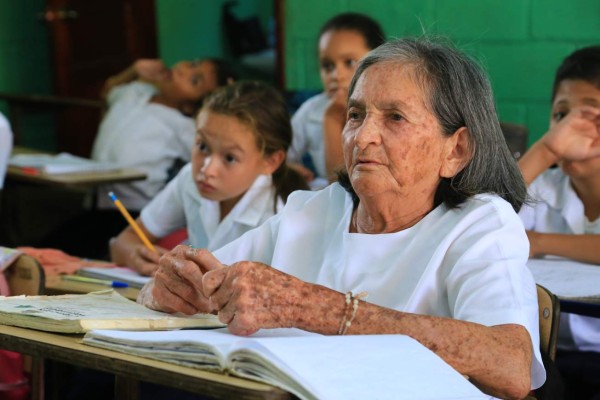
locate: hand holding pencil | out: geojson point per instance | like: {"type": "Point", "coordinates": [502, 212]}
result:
{"type": "Point", "coordinates": [132, 222]}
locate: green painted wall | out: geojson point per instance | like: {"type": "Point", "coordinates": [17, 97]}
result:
{"type": "Point", "coordinates": [24, 52]}
{"type": "Point", "coordinates": [25, 65]}
{"type": "Point", "coordinates": [190, 29]}
{"type": "Point", "coordinates": [519, 42]}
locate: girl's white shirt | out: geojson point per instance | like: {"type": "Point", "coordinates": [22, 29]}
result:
{"type": "Point", "coordinates": [180, 205]}
{"type": "Point", "coordinates": [138, 134]}
{"type": "Point", "coordinates": [307, 124]}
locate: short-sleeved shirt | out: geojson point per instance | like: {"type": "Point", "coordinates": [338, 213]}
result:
{"type": "Point", "coordinates": [143, 135]}
{"type": "Point", "coordinates": [180, 205]}
{"type": "Point", "coordinates": [307, 124]}
{"type": "Point", "coordinates": [556, 208]}
{"type": "Point", "coordinates": [6, 141]}
{"type": "Point", "coordinates": [467, 263]}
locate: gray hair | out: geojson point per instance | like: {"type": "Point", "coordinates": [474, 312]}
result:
{"type": "Point", "coordinates": [460, 95]}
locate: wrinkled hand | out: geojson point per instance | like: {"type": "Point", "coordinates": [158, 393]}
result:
{"type": "Point", "coordinates": [577, 136]}
{"type": "Point", "coordinates": [150, 70]}
{"type": "Point", "coordinates": [249, 296]}
{"type": "Point", "coordinates": [177, 283]}
{"type": "Point", "coordinates": [145, 261]}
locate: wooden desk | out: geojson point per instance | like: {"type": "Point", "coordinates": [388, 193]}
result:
{"type": "Point", "coordinates": [83, 180]}
{"type": "Point", "coordinates": [55, 285]}
{"type": "Point", "coordinates": [34, 205]}
{"type": "Point", "coordinates": [129, 369]}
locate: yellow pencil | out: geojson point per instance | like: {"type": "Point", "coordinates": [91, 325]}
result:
{"type": "Point", "coordinates": [131, 221]}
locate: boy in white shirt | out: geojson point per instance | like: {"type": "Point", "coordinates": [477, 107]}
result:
{"type": "Point", "coordinates": [563, 216]}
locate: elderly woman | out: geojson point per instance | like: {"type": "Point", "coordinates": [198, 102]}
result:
{"type": "Point", "coordinates": [423, 220]}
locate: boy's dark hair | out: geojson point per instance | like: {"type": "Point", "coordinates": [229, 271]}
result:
{"type": "Point", "coordinates": [350, 21]}
{"type": "Point", "coordinates": [263, 109]}
{"type": "Point", "coordinates": [225, 76]}
{"type": "Point", "coordinates": [223, 70]}
{"type": "Point", "coordinates": [582, 64]}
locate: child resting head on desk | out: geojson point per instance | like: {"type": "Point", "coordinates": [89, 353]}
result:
{"type": "Point", "coordinates": [343, 40]}
{"type": "Point", "coordinates": [149, 124]}
{"type": "Point", "coordinates": [562, 218]}
{"type": "Point", "coordinates": [147, 128]}
{"type": "Point", "coordinates": [237, 179]}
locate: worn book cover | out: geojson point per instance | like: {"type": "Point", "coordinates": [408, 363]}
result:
{"type": "Point", "coordinates": [78, 313]}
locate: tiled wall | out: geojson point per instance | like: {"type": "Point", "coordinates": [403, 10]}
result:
{"type": "Point", "coordinates": [519, 42]}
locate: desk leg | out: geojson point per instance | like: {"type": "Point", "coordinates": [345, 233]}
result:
{"type": "Point", "coordinates": [126, 388]}
{"type": "Point", "coordinates": [37, 378]}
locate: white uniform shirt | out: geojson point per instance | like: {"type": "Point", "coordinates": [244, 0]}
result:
{"type": "Point", "coordinates": [558, 209]}
{"type": "Point", "coordinates": [6, 141]}
{"type": "Point", "coordinates": [467, 263]}
{"type": "Point", "coordinates": [146, 136]}
{"type": "Point", "coordinates": [180, 205]}
{"type": "Point", "coordinates": [307, 124]}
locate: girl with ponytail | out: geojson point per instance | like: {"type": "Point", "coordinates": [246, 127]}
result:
{"type": "Point", "coordinates": [237, 178]}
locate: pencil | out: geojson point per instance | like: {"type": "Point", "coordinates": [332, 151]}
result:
{"type": "Point", "coordinates": [131, 221]}
{"type": "Point", "coordinates": [84, 279]}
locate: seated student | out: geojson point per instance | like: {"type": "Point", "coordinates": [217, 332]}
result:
{"type": "Point", "coordinates": [318, 123]}
{"type": "Point", "coordinates": [423, 219]}
{"type": "Point", "coordinates": [237, 179]}
{"type": "Point", "coordinates": [148, 126]}
{"type": "Point", "coordinates": [563, 217]}
{"type": "Point", "coordinates": [6, 141]}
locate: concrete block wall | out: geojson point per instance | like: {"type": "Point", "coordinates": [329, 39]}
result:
{"type": "Point", "coordinates": [520, 43]}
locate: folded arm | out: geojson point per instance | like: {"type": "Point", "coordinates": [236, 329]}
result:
{"type": "Point", "coordinates": [249, 296]}
{"type": "Point", "coordinates": [582, 248]}
{"type": "Point", "coordinates": [149, 70]}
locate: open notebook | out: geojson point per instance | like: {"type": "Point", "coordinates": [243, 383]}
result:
{"type": "Point", "coordinates": [311, 366]}
{"type": "Point", "coordinates": [567, 279]}
{"type": "Point", "coordinates": [119, 274]}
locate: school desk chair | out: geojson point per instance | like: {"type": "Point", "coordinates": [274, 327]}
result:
{"type": "Point", "coordinates": [26, 277]}
{"type": "Point", "coordinates": [549, 310]}
{"type": "Point", "coordinates": [549, 317]}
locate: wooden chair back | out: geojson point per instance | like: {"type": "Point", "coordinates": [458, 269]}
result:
{"type": "Point", "coordinates": [26, 276]}
{"type": "Point", "coordinates": [549, 310]}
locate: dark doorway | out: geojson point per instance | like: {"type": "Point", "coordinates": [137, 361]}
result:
{"type": "Point", "coordinates": [92, 40]}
